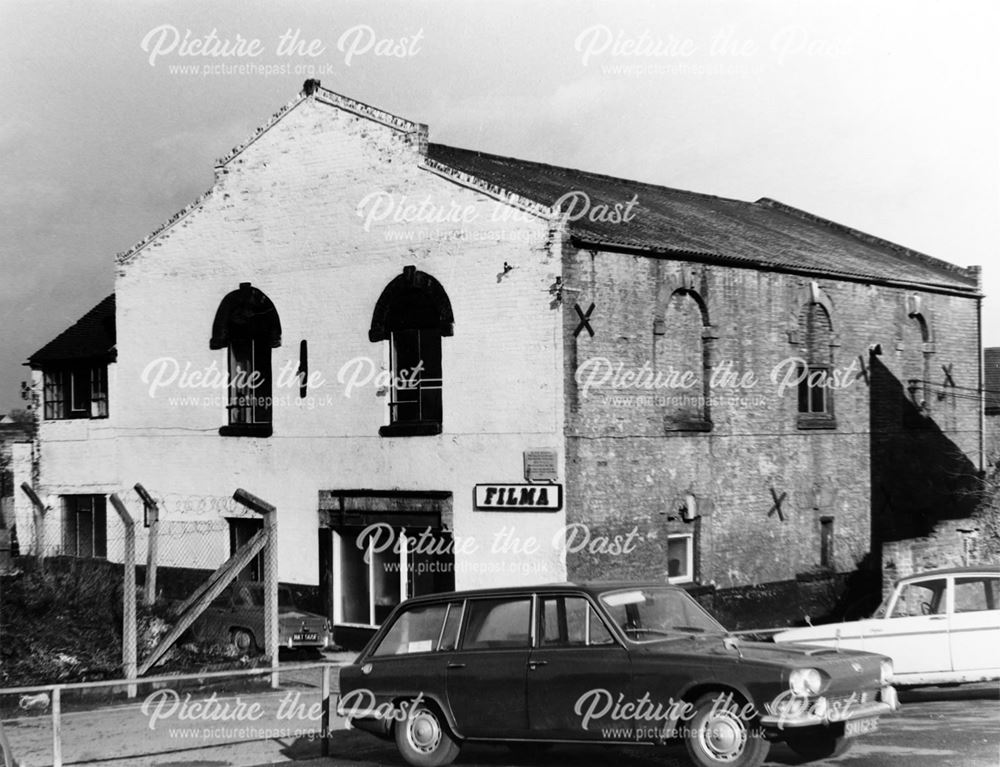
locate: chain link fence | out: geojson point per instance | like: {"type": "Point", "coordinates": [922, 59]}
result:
{"type": "Point", "coordinates": [194, 533]}
{"type": "Point", "coordinates": [63, 615]}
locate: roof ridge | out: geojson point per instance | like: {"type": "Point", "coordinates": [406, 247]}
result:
{"type": "Point", "coordinates": [592, 174]}
{"type": "Point", "coordinates": [869, 239]}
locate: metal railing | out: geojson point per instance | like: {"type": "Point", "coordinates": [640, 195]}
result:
{"type": "Point", "coordinates": [54, 691]}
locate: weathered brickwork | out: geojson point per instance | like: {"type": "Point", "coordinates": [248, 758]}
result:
{"type": "Point", "coordinates": [631, 465]}
{"type": "Point", "coordinates": [952, 544]}
{"type": "Point", "coordinates": [992, 437]}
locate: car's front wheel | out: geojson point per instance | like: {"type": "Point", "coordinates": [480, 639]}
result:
{"type": "Point", "coordinates": [423, 740]}
{"type": "Point", "coordinates": [821, 745]}
{"type": "Point", "coordinates": [719, 734]}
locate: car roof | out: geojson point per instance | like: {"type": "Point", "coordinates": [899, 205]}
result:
{"type": "Point", "coordinates": [590, 587]}
{"type": "Point", "coordinates": [968, 570]}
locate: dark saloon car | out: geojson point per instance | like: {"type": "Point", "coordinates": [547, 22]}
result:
{"type": "Point", "coordinates": [237, 617]}
{"type": "Point", "coordinates": [621, 663]}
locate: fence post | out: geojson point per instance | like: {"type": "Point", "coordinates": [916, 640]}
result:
{"type": "Point", "coordinates": [325, 721]}
{"type": "Point", "coordinates": [152, 514]}
{"type": "Point", "coordinates": [129, 629]}
{"type": "Point", "coordinates": [39, 518]}
{"type": "Point", "coordinates": [56, 727]}
{"type": "Point", "coordinates": [269, 513]}
{"type": "Point", "coordinates": [6, 752]}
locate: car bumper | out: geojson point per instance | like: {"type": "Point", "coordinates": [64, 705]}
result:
{"type": "Point", "coordinates": [821, 712]}
{"type": "Point", "coordinates": [322, 642]}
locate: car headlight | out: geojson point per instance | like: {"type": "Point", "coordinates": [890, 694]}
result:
{"type": "Point", "coordinates": [885, 674]}
{"type": "Point", "coordinates": [805, 681]}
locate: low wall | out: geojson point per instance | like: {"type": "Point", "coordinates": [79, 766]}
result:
{"type": "Point", "coordinates": [957, 543]}
{"type": "Point", "coordinates": [823, 597]}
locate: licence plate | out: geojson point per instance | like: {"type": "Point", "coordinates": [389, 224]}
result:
{"type": "Point", "coordinates": [305, 637]}
{"type": "Point", "coordinates": [855, 727]}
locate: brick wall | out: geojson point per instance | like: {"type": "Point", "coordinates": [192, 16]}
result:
{"type": "Point", "coordinates": [955, 543]}
{"type": "Point", "coordinates": [630, 467]}
{"type": "Point", "coordinates": [992, 437]}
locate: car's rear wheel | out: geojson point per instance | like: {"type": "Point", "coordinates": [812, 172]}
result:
{"type": "Point", "coordinates": [243, 641]}
{"type": "Point", "coordinates": [718, 734]}
{"type": "Point", "coordinates": [423, 739]}
{"type": "Point", "coordinates": [821, 745]}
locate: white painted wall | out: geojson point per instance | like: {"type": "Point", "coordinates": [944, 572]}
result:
{"type": "Point", "coordinates": [283, 216]}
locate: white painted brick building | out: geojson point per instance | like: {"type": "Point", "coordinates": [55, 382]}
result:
{"type": "Point", "coordinates": [283, 215]}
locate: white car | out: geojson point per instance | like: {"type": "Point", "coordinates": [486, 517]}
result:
{"type": "Point", "coordinates": [939, 627]}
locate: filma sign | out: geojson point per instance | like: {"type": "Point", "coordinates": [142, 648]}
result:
{"type": "Point", "coordinates": [518, 497]}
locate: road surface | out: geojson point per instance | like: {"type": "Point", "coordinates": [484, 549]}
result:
{"type": "Point", "coordinates": [935, 728]}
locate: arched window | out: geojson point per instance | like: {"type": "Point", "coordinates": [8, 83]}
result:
{"type": "Point", "coordinates": [682, 361]}
{"type": "Point", "coordinates": [815, 400]}
{"type": "Point", "coordinates": [413, 314]}
{"type": "Point", "coordinates": [247, 325]}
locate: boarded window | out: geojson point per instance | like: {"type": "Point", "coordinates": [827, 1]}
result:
{"type": "Point", "coordinates": [680, 359]}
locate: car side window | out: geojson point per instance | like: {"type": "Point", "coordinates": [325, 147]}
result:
{"type": "Point", "coordinates": [920, 598]}
{"type": "Point", "coordinates": [976, 593]}
{"type": "Point", "coordinates": [416, 630]}
{"type": "Point", "coordinates": [495, 624]}
{"type": "Point", "coordinates": [571, 622]}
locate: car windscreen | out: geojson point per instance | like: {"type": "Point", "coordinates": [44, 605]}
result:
{"type": "Point", "coordinates": [651, 613]}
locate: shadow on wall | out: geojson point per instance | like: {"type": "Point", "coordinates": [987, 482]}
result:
{"type": "Point", "coordinates": [919, 476]}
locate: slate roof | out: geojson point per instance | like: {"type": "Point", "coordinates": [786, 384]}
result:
{"type": "Point", "coordinates": [761, 234]}
{"type": "Point", "coordinates": [991, 381]}
{"type": "Point", "coordinates": [91, 337]}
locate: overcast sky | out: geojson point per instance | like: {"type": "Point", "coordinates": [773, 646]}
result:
{"type": "Point", "coordinates": [880, 115]}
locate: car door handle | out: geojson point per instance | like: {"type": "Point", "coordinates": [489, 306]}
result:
{"type": "Point", "coordinates": [536, 663]}
{"type": "Point", "coordinates": [456, 665]}
{"type": "Point", "coordinates": [938, 617]}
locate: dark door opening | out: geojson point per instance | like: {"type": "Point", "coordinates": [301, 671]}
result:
{"type": "Point", "coordinates": [240, 532]}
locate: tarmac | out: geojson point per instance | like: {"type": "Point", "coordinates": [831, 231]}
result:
{"type": "Point", "coordinates": [127, 733]}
